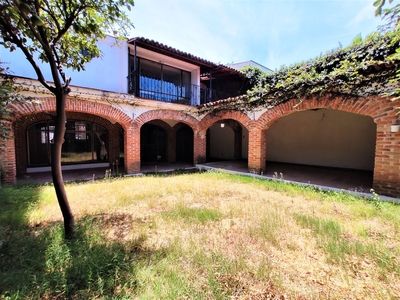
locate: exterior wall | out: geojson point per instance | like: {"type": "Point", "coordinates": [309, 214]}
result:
{"type": "Point", "coordinates": [113, 64]}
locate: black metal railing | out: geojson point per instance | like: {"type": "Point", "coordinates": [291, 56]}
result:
{"type": "Point", "coordinates": [166, 90]}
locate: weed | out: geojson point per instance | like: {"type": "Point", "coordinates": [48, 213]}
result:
{"type": "Point", "coordinates": [376, 201]}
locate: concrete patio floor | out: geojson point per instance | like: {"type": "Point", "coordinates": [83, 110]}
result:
{"type": "Point", "coordinates": [346, 179]}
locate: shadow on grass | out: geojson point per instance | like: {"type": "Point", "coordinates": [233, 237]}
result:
{"type": "Point", "coordinates": [15, 202]}
{"type": "Point", "coordinates": [37, 263]}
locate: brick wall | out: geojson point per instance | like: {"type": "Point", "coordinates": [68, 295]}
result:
{"type": "Point", "coordinates": [8, 161]}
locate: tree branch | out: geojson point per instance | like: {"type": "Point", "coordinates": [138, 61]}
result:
{"type": "Point", "coordinates": [14, 39]}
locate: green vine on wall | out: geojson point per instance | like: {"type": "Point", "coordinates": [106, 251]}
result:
{"type": "Point", "coordinates": [363, 69]}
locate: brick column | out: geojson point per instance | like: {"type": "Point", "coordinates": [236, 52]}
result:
{"type": "Point", "coordinates": [8, 165]}
{"type": "Point", "coordinates": [387, 161]}
{"type": "Point", "coordinates": [132, 150]}
{"type": "Point", "coordinates": [199, 150]}
{"type": "Point", "coordinates": [113, 147]}
{"type": "Point", "coordinates": [257, 150]}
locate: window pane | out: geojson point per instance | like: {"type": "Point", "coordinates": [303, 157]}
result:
{"type": "Point", "coordinates": [38, 141]}
{"type": "Point", "coordinates": [81, 143]}
{"type": "Point", "coordinates": [77, 147]}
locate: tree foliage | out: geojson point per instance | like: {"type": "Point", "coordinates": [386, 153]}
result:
{"type": "Point", "coordinates": [62, 34]}
{"type": "Point", "coordinates": [392, 28]}
{"type": "Point", "coordinates": [7, 96]}
{"type": "Point", "coordinates": [59, 32]}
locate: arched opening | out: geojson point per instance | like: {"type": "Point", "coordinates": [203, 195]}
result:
{"type": "Point", "coordinates": [227, 140]}
{"type": "Point", "coordinates": [153, 144]}
{"type": "Point", "coordinates": [184, 144]}
{"type": "Point", "coordinates": [331, 139]}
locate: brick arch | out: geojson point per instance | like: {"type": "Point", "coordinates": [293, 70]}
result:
{"type": "Point", "coordinates": [25, 121]}
{"type": "Point", "coordinates": [160, 123]}
{"type": "Point", "coordinates": [380, 109]}
{"type": "Point", "coordinates": [211, 118]}
{"type": "Point", "coordinates": [179, 125]}
{"type": "Point", "coordinates": [48, 105]}
{"type": "Point", "coordinates": [33, 118]}
{"type": "Point", "coordinates": [163, 114]}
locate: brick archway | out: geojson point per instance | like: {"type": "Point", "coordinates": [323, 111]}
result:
{"type": "Point", "coordinates": [210, 119]}
{"type": "Point", "coordinates": [163, 114]}
{"type": "Point", "coordinates": [48, 105]}
{"type": "Point", "coordinates": [201, 135]}
{"type": "Point", "coordinates": [28, 113]}
{"type": "Point", "coordinates": [154, 116]}
{"type": "Point", "coordinates": [381, 110]}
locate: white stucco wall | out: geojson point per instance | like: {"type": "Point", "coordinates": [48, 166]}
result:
{"type": "Point", "coordinates": [324, 138]}
{"type": "Point", "coordinates": [106, 73]}
{"type": "Point", "coordinates": [222, 142]}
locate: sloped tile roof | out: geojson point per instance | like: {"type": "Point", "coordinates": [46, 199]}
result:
{"type": "Point", "coordinates": [205, 65]}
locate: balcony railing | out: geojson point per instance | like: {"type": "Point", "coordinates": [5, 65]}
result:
{"type": "Point", "coordinates": [153, 88]}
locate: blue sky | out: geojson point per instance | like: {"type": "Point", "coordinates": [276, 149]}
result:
{"type": "Point", "coordinates": [272, 33]}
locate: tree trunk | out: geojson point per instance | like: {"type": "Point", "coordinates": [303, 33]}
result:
{"type": "Point", "coordinates": [56, 172]}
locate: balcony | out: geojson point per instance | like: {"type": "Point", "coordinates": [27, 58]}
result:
{"type": "Point", "coordinates": [167, 90]}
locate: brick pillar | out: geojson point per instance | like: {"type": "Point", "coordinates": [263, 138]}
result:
{"type": "Point", "coordinates": [132, 150]}
{"type": "Point", "coordinates": [199, 150]}
{"type": "Point", "coordinates": [387, 161]}
{"type": "Point", "coordinates": [113, 147]}
{"type": "Point", "coordinates": [257, 150]}
{"type": "Point", "coordinates": [8, 165]}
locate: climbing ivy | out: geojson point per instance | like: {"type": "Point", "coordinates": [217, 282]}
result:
{"type": "Point", "coordinates": [362, 69]}
{"type": "Point", "coordinates": [366, 67]}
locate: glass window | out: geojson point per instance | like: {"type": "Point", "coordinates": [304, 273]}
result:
{"type": "Point", "coordinates": [162, 82]}
{"type": "Point", "coordinates": [84, 142]}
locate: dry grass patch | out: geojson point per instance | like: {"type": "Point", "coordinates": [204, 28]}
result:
{"type": "Point", "coordinates": [220, 236]}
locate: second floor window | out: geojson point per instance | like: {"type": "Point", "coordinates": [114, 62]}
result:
{"type": "Point", "coordinates": [162, 82]}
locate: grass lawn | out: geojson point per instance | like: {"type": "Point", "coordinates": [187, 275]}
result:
{"type": "Point", "coordinates": [207, 235]}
